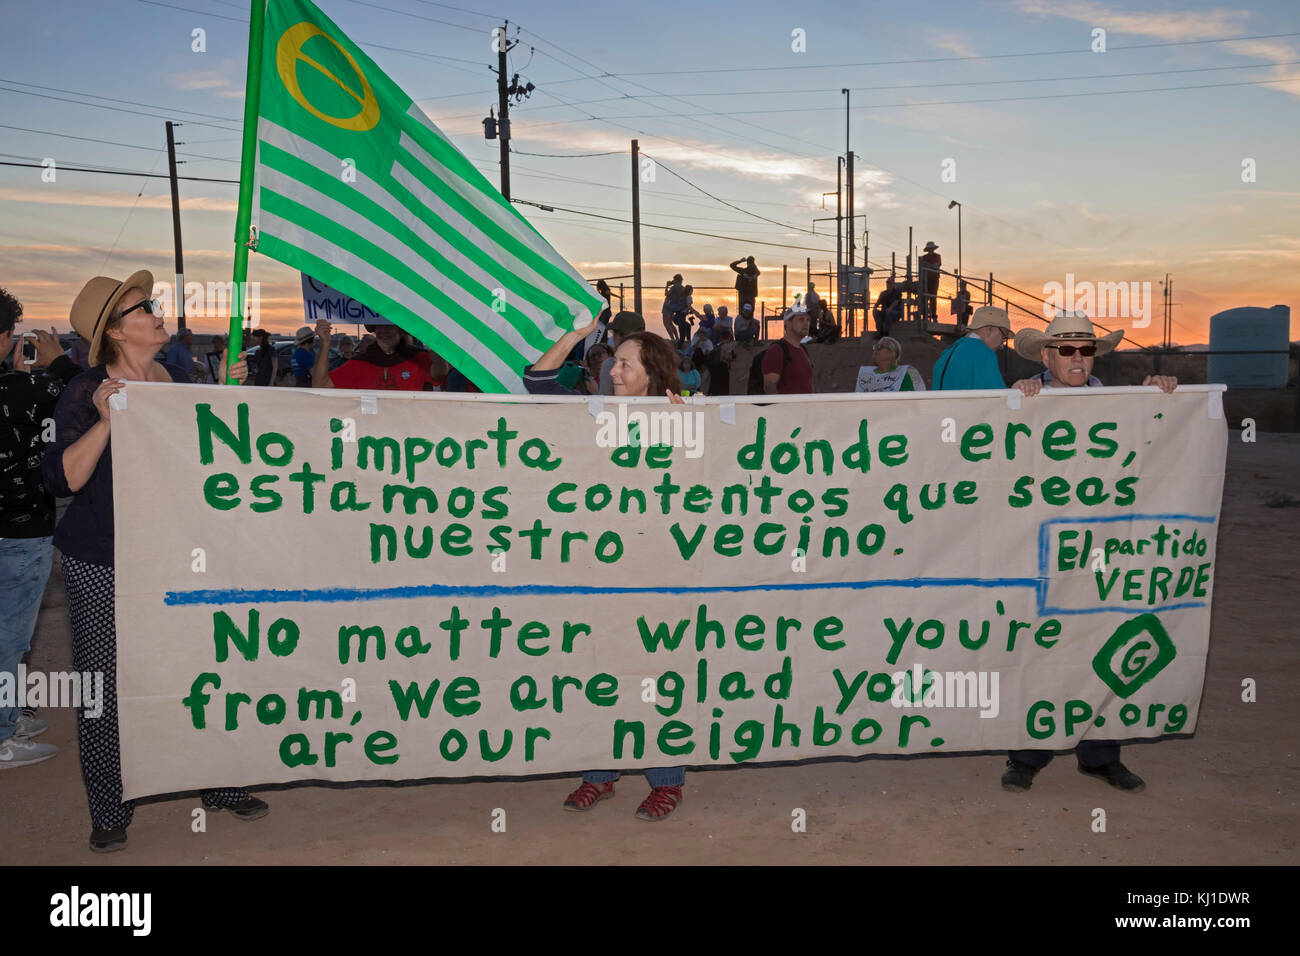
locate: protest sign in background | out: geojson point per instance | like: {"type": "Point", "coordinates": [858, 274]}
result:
{"type": "Point", "coordinates": [347, 586]}
{"type": "Point", "coordinates": [319, 301]}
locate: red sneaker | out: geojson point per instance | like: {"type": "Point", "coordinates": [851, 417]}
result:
{"type": "Point", "coordinates": [588, 795]}
{"type": "Point", "coordinates": [661, 802]}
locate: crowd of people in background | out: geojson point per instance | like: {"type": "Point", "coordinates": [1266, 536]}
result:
{"type": "Point", "coordinates": [122, 337]}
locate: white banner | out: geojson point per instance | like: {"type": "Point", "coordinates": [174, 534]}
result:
{"type": "Point", "coordinates": [337, 585]}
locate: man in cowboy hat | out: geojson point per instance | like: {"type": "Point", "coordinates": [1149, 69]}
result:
{"type": "Point", "coordinates": [1067, 350]}
{"type": "Point", "coordinates": [930, 264]}
{"type": "Point", "coordinates": [972, 361]}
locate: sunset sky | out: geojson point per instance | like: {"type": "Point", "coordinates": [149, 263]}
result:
{"type": "Point", "coordinates": [1115, 166]}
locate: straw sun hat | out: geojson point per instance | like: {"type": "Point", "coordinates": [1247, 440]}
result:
{"type": "Point", "coordinates": [96, 302]}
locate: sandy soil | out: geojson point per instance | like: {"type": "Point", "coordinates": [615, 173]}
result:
{"type": "Point", "coordinates": [1227, 795]}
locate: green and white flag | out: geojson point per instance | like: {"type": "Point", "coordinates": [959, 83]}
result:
{"type": "Point", "coordinates": [355, 186]}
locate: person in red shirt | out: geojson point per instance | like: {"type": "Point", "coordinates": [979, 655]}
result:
{"type": "Point", "coordinates": [787, 369]}
{"type": "Point", "coordinates": [386, 364]}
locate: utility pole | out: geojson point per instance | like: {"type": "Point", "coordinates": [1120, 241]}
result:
{"type": "Point", "coordinates": [848, 171]}
{"type": "Point", "coordinates": [852, 222]}
{"type": "Point", "coordinates": [636, 227]}
{"type": "Point", "coordinates": [839, 233]}
{"type": "Point", "coordinates": [503, 109]}
{"type": "Point", "coordinates": [176, 231]}
{"type": "Point", "coordinates": [910, 249]}
{"type": "Point", "coordinates": [1168, 317]}
{"type": "Point", "coordinates": [950, 206]}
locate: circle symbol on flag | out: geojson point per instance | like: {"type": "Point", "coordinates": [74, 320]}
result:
{"type": "Point", "coordinates": [287, 54]}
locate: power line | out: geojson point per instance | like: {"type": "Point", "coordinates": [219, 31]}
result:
{"type": "Point", "coordinates": [948, 59]}
{"type": "Point", "coordinates": [122, 172]}
{"type": "Point", "coordinates": [669, 169]}
{"type": "Point", "coordinates": [206, 13]}
{"type": "Point", "coordinates": [117, 109]}
{"type": "Point", "coordinates": [612, 152]}
{"type": "Point", "coordinates": [691, 232]}
{"type": "Point", "coordinates": [473, 13]}
{"type": "Point", "coordinates": [365, 43]}
{"type": "Point", "coordinates": [963, 83]}
{"type": "Point", "coordinates": [86, 139]}
{"type": "Point", "coordinates": [143, 183]}
{"type": "Point", "coordinates": [748, 130]}
{"type": "Point", "coordinates": [996, 99]}
{"type": "Point", "coordinates": [113, 99]}
{"type": "Point", "coordinates": [418, 16]}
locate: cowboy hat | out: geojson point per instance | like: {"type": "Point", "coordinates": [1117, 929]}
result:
{"type": "Point", "coordinates": [95, 304]}
{"type": "Point", "coordinates": [304, 334]}
{"type": "Point", "coordinates": [930, 247]}
{"type": "Point", "coordinates": [1066, 327]}
{"type": "Point", "coordinates": [990, 315]}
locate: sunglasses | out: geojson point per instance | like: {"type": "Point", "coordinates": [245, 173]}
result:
{"type": "Point", "coordinates": [1087, 351]}
{"type": "Point", "coordinates": [152, 306]}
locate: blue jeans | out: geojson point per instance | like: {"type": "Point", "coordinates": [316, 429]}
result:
{"type": "Point", "coordinates": [24, 569]}
{"type": "Point", "coordinates": [658, 776]}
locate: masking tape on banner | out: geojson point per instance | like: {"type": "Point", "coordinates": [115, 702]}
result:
{"type": "Point", "coordinates": [1013, 398]}
{"type": "Point", "coordinates": [727, 413]}
{"type": "Point", "coordinates": [369, 403]}
{"type": "Point", "coordinates": [595, 405]}
{"type": "Point", "coordinates": [117, 401]}
{"type": "Point", "coordinates": [1216, 404]}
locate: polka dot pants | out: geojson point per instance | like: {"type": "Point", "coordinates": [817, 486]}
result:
{"type": "Point", "coordinates": [91, 611]}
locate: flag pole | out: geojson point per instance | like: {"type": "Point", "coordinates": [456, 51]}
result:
{"type": "Point", "coordinates": [243, 218]}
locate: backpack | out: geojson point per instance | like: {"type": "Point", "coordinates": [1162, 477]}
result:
{"type": "Point", "coordinates": [755, 386]}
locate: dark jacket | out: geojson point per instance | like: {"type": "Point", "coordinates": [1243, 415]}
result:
{"type": "Point", "coordinates": [27, 400]}
{"type": "Point", "coordinates": [86, 531]}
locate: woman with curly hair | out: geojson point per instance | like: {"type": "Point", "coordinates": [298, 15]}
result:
{"type": "Point", "coordinates": [644, 364]}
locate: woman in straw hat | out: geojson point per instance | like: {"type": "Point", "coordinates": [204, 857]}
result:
{"type": "Point", "coordinates": [124, 328]}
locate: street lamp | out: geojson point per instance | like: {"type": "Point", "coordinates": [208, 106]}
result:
{"type": "Point", "coordinates": [958, 205]}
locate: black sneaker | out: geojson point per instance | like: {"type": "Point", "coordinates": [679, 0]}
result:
{"type": "Point", "coordinates": [1019, 776]}
{"type": "Point", "coordinates": [250, 808]}
{"type": "Point", "coordinates": [1117, 775]}
{"type": "Point", "coordinates": [106, 841]}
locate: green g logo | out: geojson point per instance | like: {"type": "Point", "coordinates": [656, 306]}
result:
{"type": "Point", "coordinates": [1137, 651]}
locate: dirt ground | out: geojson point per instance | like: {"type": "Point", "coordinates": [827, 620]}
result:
{"type": "Point", "coordinates": [1227, 795]}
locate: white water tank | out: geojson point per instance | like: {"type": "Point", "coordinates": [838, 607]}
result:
{"type": "Point", "coordinates": [1263, 332]}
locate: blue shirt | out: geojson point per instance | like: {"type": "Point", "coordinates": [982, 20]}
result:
{"type": "Point", "coordinates": [303, 360]}
{"type": "Point", "coordinates": [179, 355]}
{"type": "Point", "coordinates": [967, 363]}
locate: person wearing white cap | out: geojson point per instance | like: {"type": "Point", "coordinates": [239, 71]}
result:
{"type": "Point", "coordinates": [972, 361]}
{"type": "Point", "coordinates": [1067, 350]}
{"type": "Point", "coordinates": [746, 324]}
